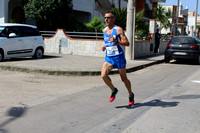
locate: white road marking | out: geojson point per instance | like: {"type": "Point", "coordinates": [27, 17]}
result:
{"type": "Point", "coordinates": [195, 81]}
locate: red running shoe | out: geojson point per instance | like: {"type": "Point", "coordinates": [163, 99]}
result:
{"type": "Point", "coordinates": [113, 94]}
{"type": "Point", "coordinates": [131, 100]}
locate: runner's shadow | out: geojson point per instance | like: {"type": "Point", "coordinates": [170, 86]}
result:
{"type": "Point", "coordinates": [153, 103]}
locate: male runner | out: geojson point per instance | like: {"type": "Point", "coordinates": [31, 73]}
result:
{"type": "Point", "coordinates": [114, 37]}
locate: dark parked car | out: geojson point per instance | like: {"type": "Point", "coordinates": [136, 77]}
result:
{"type": "Point", "coordinates": [183, 47]}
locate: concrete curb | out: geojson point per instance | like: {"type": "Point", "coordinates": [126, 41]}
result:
{"type": "Point", "coordinates": [77, 73]}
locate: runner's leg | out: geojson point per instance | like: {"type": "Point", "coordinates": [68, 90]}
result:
{"type": "Point", "coordinates": [126, 81]}
{"type": "Point", "coordinates": [106, 68]}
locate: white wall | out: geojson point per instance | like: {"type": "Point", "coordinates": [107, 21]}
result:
{"type": "Point", "coordinates": [3, 11]}
{"type": "Point", "coordinates": [191, 23]}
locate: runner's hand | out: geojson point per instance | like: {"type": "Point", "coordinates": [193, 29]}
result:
{"type": "Point", "coordinates": [103, 48]}
{"type": "Point", "coordinates": [112, 39]}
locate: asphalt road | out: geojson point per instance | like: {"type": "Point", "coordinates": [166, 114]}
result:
{"type": "Point", "coordinates": [167, 100]}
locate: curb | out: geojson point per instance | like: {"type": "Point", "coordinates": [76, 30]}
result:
{"type": "Point", "coordinates": [77, 73]}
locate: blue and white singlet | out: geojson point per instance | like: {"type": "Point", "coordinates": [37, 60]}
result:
{"type": "Point", "coordinates": [112, 49]}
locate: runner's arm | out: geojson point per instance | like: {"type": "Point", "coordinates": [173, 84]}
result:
{"type": "Point", "coordinates": [103, 48]}
{"type": "Point", "coordinates": [123, 39]}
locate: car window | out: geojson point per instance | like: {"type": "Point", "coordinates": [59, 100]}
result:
{"type": "Point", "coordinates": [182, 40]}
{"type": "Point", "coordinates": [28, 31]}
{"type": "Point", "coordinates": [3, 32]}
{"type": "Point", "coordinates": [17, 30]}
{"type": "Point", "coordinates": [197, 40]}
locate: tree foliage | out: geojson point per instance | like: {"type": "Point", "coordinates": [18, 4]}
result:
{"type": "Point", "coordinates": [163, 15]}
{"type": "Point", "coordinates": [53, 13]}
{"type": "Point", "coordinates": [121, 16]}
{"type": "Point", "coordinates": [96, 25]}
{"type": "Point", "coordinates": [168, 14]}
{"type": "Point", "coordinates": [141, 25]}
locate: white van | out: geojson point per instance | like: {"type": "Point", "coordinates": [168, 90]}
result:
{"type": "Point", "coordinates": [19, 40]}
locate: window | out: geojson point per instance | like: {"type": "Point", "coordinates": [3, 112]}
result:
{"type": "Point", "coordinates": [17, 30]}
{"type": "Point", "coordinates": [183, 40]}
{"type": "Point", "coordinates": [28, 31]}
{"type": "Point", "coordinates": [3, 32]}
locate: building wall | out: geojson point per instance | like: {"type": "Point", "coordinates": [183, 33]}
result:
{"type": "Point", "coordinates": [2, 18]}
{"type": "Point", "coordinates": [140, 4]}
{"type": "Point", "coordinates": [183, 20]}
{"type": "Point", "coordinates": [191, 23]}
{"type": "Point", "coordinates": [84, 10]}
{"type": "Point", "coordinates": [87, 8]}
{"type": "Point", "coordinates": [3, 11]}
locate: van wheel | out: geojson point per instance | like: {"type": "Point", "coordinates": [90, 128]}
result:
{"type": "Point", "coordinates": [1, 56]}
{"type": "Point", "coordinates": [38, 54]}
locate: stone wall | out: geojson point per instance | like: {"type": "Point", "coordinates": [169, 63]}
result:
{"type": "Point", "coordinates": [60, 43]}
{"type": "Point", "coordinates": [146, 48]}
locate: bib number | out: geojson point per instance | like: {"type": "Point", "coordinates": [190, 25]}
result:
{"type": "Point", "coordinates": [112, 51]}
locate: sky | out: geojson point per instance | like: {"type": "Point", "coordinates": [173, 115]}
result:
{"type": "Point", "coordinates": [190, 3]}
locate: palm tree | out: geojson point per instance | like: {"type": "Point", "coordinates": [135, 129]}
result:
{"type": "Point", "coordinates": [121, 15]}
{"type": "Point", "coordinates": [160, 14]}
{"type": "Point", "coordinates": [139, 21]}
{"type": "Point", "coordinates": [166, 21]}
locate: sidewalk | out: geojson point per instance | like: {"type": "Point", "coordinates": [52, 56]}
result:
{"type": "Point", "coordinates": [63, 64]}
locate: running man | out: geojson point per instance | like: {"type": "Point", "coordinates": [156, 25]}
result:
{"type": "Point", "coordinates": [114, 37]}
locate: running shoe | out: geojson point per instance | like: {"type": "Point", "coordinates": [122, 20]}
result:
{"type": "Point", "coordinates": [113, 94]}
{"type": "Point", "coordinates": [131, 100]}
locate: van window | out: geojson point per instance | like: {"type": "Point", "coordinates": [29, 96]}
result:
{"type": "Point", "coordinates": [28, 31]}
{"type": "Point", "coordinates": [16, 29]}
{"type": "Point", "coordinates": [3, 31]}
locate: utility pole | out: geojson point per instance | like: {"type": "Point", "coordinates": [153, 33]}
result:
{"type": "Point", "coordinates": [119, 2]}
{"type": "Point", "coordinates": [177, 18]}
{"type": "Point", "coordinates": [195, 26]}
{"type": "Point", "coordinates": [133, 47]}
{"type": "Point", "coordinates": [130, 29]}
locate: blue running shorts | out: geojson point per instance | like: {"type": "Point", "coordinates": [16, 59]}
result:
{"type": "Point", "coordinates": [118, 61]}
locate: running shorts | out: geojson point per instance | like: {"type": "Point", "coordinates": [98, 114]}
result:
{"type": "Point", "coordinates": [118, 61]}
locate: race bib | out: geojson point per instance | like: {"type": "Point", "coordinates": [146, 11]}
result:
{"type": "Point", "coordinates": [112, 51]}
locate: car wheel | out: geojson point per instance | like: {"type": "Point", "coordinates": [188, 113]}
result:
{"type": "Point", "coordinates": [167, 59]}
{"type": "Point", "coordinates": [1, 56]}
{"type": "Point", "coordinates": [198, 60]}
{"type": "Point", "coordinates": [38, 54]}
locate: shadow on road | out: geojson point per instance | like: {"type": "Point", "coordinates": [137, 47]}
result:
{"type": "Point", "coordinates": [184, 62]}
{"type": "Point", "coordinates": [153, 103]}
{"type": "Point", "coordinates": [14, 113]}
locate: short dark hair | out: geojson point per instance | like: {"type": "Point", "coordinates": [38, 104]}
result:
{"type": "Point", "coordinates": [112, 13]}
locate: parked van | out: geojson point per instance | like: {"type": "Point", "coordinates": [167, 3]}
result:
{"type": "Point", "coordinates": [20, 40]}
